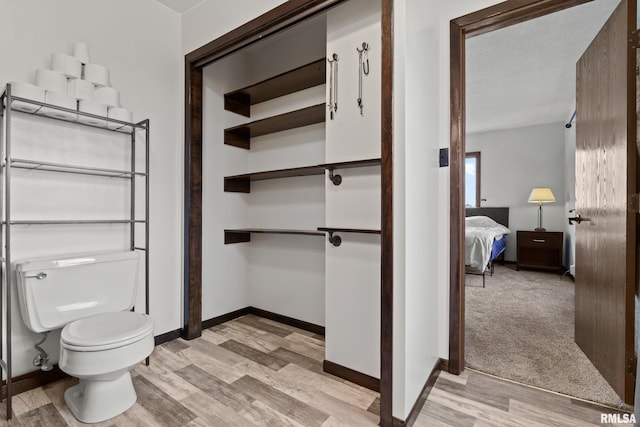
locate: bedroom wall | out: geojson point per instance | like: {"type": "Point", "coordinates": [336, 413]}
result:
{"type": "Point", "coordinates": [149, 79]}
{"type": "Point", "coordinates": [513, 161]}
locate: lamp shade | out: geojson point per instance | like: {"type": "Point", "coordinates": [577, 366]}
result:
{"type": "Point", "coordinates": [541, 195]}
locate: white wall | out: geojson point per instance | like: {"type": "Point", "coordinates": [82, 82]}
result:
{"type": "Point", "coordinates": [281, 274]}
{"type": "Point", "coordinates": [421, 241]}
{"type": "Point", "coordinates": [213, 18]}
{"type": "Point", "coordinates": [513, 161]}
{"type": "Point", "coordinates": [140, 43]}
{"type": "Point", "coordinates": [417, 178]}
{"type": "Point", "coordinates": [224, 272]}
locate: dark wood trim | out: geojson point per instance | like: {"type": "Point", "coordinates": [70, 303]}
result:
{"type": "Point", "coordinates": [386, 261]}
{"type": "Point", "coordinates": [242, 235]}
{"type": "Point", "coordinates": [168, 336]}
{"type": "Point", "coordinates": [209, 323]}
{"type": "Point", "coordinates": [509, 13]}
{"type": "Point", "coordinates": [39, 378]}
{"type": "Point", "coordinates": [296, 323]}
{"type": "Point", "coordinates": [456, 202]}
{"type": "Point", "coordinates": [440, 365]}
{"type": "Point", "coordinates": [286, 320]}
{"type": "Point", "coordinates": [193, 201]}
{"type": "Point", "coordinates": [32, 380]}
{"type": "Point", "coordinates": [492, 18]}
{"type": "Point", "coordinates": [424, 393]}
{"type": "Point", "coordinates": [356, 377]}
{"type": "Point", "coordinates": [277, 19]}
{"type": "Point", "coordinates": [235, 236]}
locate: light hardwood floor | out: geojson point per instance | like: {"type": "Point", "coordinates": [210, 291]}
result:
{"type": "Point", "coordinates": [253, 371]}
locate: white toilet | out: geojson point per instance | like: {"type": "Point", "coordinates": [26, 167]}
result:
{"type": "Point", "coordinates": [90, 295]}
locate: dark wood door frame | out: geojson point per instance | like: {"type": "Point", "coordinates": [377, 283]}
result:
{"type": "Point", "coordinates": [277, 19]}
{"type": "Point", "coordinates": [492, 18]}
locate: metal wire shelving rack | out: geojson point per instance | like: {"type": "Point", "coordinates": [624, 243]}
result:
{"type": "Point", "coordinates": [7, 110]}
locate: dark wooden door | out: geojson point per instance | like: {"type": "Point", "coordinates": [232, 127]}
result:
{"type": "Point", "coordinates": [606, 189]}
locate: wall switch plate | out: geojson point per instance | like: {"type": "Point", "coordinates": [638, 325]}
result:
{"type": "Point", "coordinates": [444, 157]}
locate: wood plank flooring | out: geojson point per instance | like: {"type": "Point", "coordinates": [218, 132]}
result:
{"type": "Point", "coordinates": [476, 399]}
{"type": "Point", "coordinates": [256, 372]}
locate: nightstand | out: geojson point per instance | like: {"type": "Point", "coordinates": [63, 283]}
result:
{"type": "Point", "coordinates": [540, 250]}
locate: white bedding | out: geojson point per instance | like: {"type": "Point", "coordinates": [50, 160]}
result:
{"type": "Point", "coordinates": [480, 233]}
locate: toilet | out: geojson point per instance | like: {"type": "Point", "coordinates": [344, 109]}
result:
{"type": "Point", "coordinates": [90, 296]}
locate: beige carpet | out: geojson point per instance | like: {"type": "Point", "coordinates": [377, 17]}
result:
{"type": "Point", "coordinates": [521, 327]}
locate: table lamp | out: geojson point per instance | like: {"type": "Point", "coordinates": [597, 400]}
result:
{"type": "Point", "coordinates": [541, 195]}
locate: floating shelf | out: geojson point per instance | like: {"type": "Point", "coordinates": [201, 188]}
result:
{"type": "Point", "coordinates": [240, 136]}
{"type": "Point", "coordinates": [65, 168]}
{"type": "Point", "coordinates": [304, 77]}
{"type": "Point", "coordinates": [242, 183]}
{"type": "Point", "coordinates": [123, 127]}
{"type": "Point", "coordinates": [244, 234]}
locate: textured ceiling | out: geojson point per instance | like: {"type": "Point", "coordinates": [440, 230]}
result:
{"type": "Point", "coordinates": [525, 74]}
{"type": "Point", "coordinates": [180, 6]}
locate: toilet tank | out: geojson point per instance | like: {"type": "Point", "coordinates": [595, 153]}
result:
{"type": "Point", "coordinates": [56, 291]}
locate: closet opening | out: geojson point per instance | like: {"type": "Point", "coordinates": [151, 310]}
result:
{"type": "Point", "coordinates": [284, 217]}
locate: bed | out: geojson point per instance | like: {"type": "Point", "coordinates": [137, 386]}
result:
{"type": "Point", "coordinates": [486, 232]}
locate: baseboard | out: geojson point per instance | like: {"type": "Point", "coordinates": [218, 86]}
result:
{"type": "Point", "coordinates": [35, 379]}
{"type": "Point", "coordinates": [300, 324]}
{"type": "Point", "coordinates": [168, 336]}
{"type": "Point", "coordinates": [440, 365]}
{"type": "Point", "coordinates": [225, 318]}
{"type": "Point", "coordinates": [351, 375]}
{"type": "Point", "coordinates": [31, 380]}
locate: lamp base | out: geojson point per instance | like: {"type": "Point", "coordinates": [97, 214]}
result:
{"type": "Point", "coordinates": [540, 229]}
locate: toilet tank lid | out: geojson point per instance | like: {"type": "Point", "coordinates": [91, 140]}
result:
{"type": "Point", "coordinates": [73, 260]}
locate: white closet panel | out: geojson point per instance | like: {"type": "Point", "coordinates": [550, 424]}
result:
{"type": "Point", "coordinates": [353, 269]}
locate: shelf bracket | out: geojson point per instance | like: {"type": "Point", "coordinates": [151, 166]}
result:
{"type": "Point", "coordinates": [335, 240]}
{"type": "Point", "coordinates": [335, 178]}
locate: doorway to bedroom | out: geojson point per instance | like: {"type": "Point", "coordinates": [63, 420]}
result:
{"type": "Point", "coordinates": [519, 171]}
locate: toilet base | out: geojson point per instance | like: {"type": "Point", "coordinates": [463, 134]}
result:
{"type": "Point", "coordinates": [96, 400]}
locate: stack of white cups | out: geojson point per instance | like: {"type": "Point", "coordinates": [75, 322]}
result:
{"type": "Point", "coordinates": [74, 83]}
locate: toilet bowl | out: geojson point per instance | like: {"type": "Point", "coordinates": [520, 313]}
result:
{"type": "Point", "coordinates": [101, 350]}
{"type": "Point", "coordinates": [90, 296]}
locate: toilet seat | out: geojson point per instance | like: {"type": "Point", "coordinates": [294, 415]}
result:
{"type": "Point", "coordinates": [106, 331]}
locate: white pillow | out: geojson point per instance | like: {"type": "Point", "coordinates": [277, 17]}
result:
{"type": "Point", "coordinates": [480, 221]}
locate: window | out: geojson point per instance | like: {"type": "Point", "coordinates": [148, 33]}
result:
{"type": "Point", "coordinates": [472, 179]}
